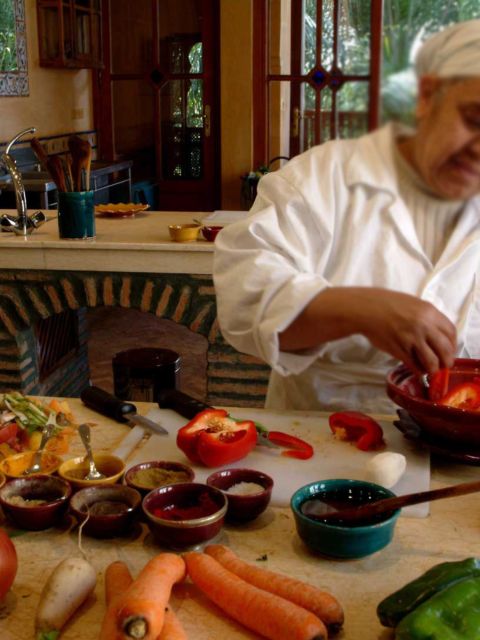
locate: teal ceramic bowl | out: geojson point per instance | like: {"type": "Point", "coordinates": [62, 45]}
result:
{"type": "Point", "coordinates": [337, 540]}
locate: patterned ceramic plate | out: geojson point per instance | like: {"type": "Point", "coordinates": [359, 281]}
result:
{"type": "Point", "coordinates": [120, 210]}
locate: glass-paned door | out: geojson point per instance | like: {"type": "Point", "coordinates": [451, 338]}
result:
{"type": "Point", "coordinates": [319, 71]}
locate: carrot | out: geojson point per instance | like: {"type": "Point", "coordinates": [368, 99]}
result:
{"type": "Point", "coordinates": [117, 580]}
{"type": "Point", "coordinates": [172, 627]}
{"type": "Point", "coordinates": [263, 612]}
{"type": "Point", "coordinates": [321, 603]}
{"type": "Point", "coordinates": [140, 610]}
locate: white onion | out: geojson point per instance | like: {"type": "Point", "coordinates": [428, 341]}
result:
{"type": "Point", "coordinates": [386, 468]}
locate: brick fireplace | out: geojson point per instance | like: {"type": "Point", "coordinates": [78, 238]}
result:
{"type": "Point", "coordinates": [26, 297]}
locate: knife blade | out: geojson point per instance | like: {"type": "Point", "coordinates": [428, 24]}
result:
{"type": "Point", "coordinates": [109, 405]}
{"type": "Point", "coordinates": [188, 407]}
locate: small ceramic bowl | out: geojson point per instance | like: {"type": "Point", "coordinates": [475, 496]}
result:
{"type": "Point", "coordinates": [184, 232]}
{"type": "Point", "coordinates": [248, 492]}
{"type": "Point", "coordinates": [75, 470]}
{"type": "Point", "coordinates": [14, 466]}
{"type": "Point", "coordinates": [337, 540]}
{"type": "Point", "coordinates": [146, 476]}
{"type": "Point", "coordinates": [19, 497]}
{"type": "Point", "coordinates": [210, 233]}
{"type": "Point", "coordinates": [184, 515]}
{"type": "Point", "coordinates": [111, 509]}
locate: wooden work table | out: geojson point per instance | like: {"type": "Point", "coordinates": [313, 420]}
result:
{"type": "Point", "coordinates": [451, 532]}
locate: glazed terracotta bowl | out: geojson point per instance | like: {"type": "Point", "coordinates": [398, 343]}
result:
{"type": "Point", "coordinates": [14, 466]}
{"type": "Point", "coordinates": [35, 502]}
{"type": "Point", "coordinates": [75, 470]}
{"type": "Point", "coordinates": [184, 515]}
{"type": "Point", "coordinates": [210, 232]}
{"type": "Point", "coordinates": [184, 232]}
{"type": "Point", "coordinates": [340, 540]}
{"type": "Point", "coordinates": [146, 476]}
{"type": "Point", "coordinates": [248, 492]}
{"type": "Point", "coordinates": [440, 422]}
{"type": "Point", "coordinates": [109, 509]}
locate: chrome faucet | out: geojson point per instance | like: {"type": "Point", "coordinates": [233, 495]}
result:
{"type": "Point", "coordinates": [22, 224]}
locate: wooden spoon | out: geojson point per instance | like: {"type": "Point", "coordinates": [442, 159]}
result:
{"type": "Point", "coordinates": [81, 152]}
{"type": "Point", "coordinates": [366, 511]}
{"type": "Point", "coordinates": [39, 151]}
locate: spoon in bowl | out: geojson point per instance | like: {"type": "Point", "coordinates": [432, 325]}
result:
{"type": "Point", "coordinates": [354, 515]}
{"type": "Point", "coordinates": [93, 473]}
{"type": "Point", "coordinates": [47, 432]}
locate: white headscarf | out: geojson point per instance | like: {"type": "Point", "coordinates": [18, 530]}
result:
{"type": "Point", "coordinates": [452, 52]}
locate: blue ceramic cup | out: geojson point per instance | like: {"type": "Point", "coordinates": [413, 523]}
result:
{"type": "Point", "coordinates": [76, 215]}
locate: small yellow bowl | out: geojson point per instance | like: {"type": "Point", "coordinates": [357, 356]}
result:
{"type": "Point", "coordinates": [14, 466]}
{"type": "Point", "coordinates": [75, 470]}
{"type": "Point", "coordinates": [184, 232]}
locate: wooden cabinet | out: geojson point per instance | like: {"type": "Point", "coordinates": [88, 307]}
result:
{"type": "Point", "coordinates": [69, 33]}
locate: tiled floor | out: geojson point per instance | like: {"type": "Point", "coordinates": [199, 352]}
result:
{"type": "Point", "coordinates": [113, 329]}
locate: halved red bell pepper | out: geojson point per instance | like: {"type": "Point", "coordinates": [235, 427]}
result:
{"type": "Point", "coordinates": [463, 396]}
{"type": "Point", "coordinates": [357, 427]}
{"type": "Point", "coordinates": [438, 384]}
{"type": "Point", "coordinates": [295, 447]}
{"type": "Point", "coordinates": [212, 438]}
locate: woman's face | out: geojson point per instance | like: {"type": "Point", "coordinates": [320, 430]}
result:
{"type": "Point", "coordinates": [446, 147]}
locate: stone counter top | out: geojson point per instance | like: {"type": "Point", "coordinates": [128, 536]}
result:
{"type": "Point", "coordinates": [449, 533]}
{"type": "Point", "coordinates": [139, 244]}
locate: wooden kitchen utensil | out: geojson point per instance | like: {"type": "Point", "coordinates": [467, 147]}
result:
{"type": "Point", "coordinates": [39, 152]}
{"type": "Point", "coordinates": [55, 169]}
{"type": "Point", "coordinates": [81, 152]}
{"type": "Point", "coordinates": [366, 511]}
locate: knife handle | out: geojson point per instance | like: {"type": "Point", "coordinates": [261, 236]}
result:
{"type": "Point", "coordinates": [187, 406]}
{"type": "Point", "coordinates": [107, 404]}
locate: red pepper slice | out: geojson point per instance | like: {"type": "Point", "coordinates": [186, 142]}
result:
{"type": "Point", "coordinates": [297, 448]}
{"type": "Point", "coordinates": [214, 439]}
{"type": "Point", "coordinates": [357, 427]}
{"type": "Point", "coordinates": [438, 384]}
{"type": "Point", "coordinates": [8, 432]}
{"type": "Point", "coordinates": [463, 396]}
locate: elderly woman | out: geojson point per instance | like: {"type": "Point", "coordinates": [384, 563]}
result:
{"type": "Point", "coordinates": [362, 253]}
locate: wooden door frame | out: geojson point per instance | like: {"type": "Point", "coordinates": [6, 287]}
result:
{"type": "Point", "coordinates": [261, 73]}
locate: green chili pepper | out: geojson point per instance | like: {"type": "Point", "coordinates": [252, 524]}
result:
{"type": "Point", "coordinates": [451, 614]}
{"type": "Point", "coordinates": [397, 605]}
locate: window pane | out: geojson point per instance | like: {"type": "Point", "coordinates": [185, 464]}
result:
{"type": "Point", "coordinates": [279, 119]}
{"type": "Point", "coordinates": [352, 109]}
{"type": "Point", "coordinates": [179, 31]}
{"type": "Point", "coordinates": [309, 35]}
{"type": "Point", "coordinates": [327, 35]}
{"type": "Point", "coordinates": [354, 37]}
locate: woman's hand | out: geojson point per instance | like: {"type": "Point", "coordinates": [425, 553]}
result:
{"type": "Point", "coordinates": [409, 329]}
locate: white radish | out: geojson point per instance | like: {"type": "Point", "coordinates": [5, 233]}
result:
{"type": "Point", "coordinates": [386, 468]}
{"type": "Point", "coordinates": [67, 587]}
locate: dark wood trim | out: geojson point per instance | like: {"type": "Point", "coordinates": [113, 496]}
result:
{"type": "Point", "coordinates": [376, 25]}
{"type": "Point", "coordinates": [260, 48]}
{"type": "Point", "coordinates": [101, 93]}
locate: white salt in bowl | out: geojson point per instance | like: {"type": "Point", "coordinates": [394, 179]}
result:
{"type": "Point", "coordinates": [248, 492]}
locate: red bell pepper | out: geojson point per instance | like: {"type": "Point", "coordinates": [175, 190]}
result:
{"type": "Point", "coordinates": [438, 384]}
{"type": "Point", "coordinates": [357, 427]}
{"type": "Point", "coordinates": [295, 447]}
{"type": "Point", "coordinates": [212, 438]}
{"type": "Point", "coordinates": [463, 396]}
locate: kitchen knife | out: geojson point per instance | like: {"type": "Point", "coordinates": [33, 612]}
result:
{"type": "Point", "coordinates": [188, 407]}
{"type": "Point", "coordinates": [120, 410]}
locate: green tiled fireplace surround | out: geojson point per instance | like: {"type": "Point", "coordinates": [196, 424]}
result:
{"type": "Point", "coordinates": [233, 378]}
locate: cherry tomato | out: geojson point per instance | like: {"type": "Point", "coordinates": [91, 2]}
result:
{"type": "Point", "coordinates": [8, 432]}
{"type": "Point", "coordinates": [8, 563]}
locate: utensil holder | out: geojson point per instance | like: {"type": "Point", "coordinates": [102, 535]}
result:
{"type": "Point", "coordinates": [76, 215]}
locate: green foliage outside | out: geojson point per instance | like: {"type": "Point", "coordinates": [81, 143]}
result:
{"type": "Point", "coordinates": [8, 48]}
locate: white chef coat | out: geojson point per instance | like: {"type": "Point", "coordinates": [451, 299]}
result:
{"type": "Point", "coordinates": [333, 217]}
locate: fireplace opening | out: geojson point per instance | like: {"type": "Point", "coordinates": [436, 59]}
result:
{"type": "Point", "coordinates": [114, 329]}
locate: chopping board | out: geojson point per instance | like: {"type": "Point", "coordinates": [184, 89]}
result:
{"type": "Point", "coordinates": [332, 458]}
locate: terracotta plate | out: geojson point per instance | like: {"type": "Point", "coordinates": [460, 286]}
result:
{"type": "Point", "coordinates": [120, 210]}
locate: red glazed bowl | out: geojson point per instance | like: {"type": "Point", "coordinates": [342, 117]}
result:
{"type": "Point", "coordinates": [247, 506]}
{"type": "Point", "coordinates": [210, 232]}
{"type": "Point", "coordinates": [437, 421]}
{"type": "Point", "coordinates": [184, 514]}
{"type": "Point", "coordinates": [17, 496]}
